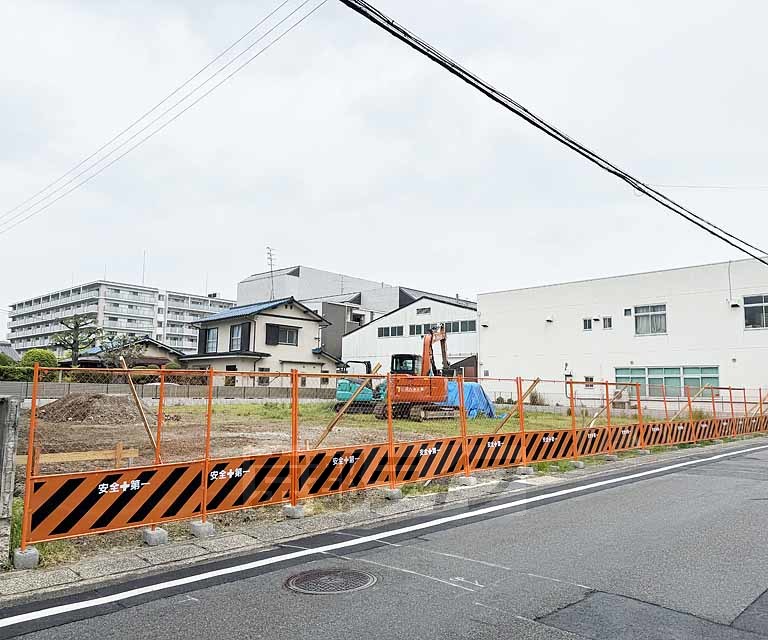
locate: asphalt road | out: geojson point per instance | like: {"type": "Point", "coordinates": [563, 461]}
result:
{"type": "Point", "coordinates": [680, 555]}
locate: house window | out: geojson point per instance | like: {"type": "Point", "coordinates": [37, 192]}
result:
{"type": "Point", "coordinates": [756, 312]}
{"type": "Point", "coordinates": [263, 380]}
{"type": "Point", "coordinates": [396, 331]}
{"type": "Point", "coordinates": [211, 340]}
{"type": "Point", "coordinates": [627, 313]}
{"type": "Point", "coordinates": [383, 332]}
{"type": "Point", "coordinates": [288, 335]}
{"type": "Point", "coordinates": [587, 324]}
{"type": "Point", "coordinates": [607, 322]}
{"type": "Point", "coordinates": [468, 326]}
{"type": "Point", "coordinates": [235, 337]}
{"type": "Point", "coordinates": [229, 381]}
{"type": "Point", "coordinates": [324, 382]}
{"type": "Point", "coordinates": [589, 382]}
{"type": "Point", "coordinates": [303, 381]}
{"type": "Point", "coordinates": [650, 319]}
{"type": "Point", "coordinates": [414, 330]}
{"type": "Point", "coordinates": [423, 311]}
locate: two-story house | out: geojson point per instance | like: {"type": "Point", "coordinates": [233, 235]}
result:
{"type": "Point", "coordinates": [276, 336]}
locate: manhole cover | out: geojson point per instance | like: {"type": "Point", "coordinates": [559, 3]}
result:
{"type": "Point", "coordinates": [323, 581]}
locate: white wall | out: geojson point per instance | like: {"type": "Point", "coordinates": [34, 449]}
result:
{"type": "Point", "coordinates": [702, 328]}
{"type": "Point", "coordinates": [364, 343]}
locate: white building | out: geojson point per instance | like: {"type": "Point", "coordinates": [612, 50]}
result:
{"type": "Point", "coordinates": [119, 308]}
{"type": "Point", "coordinates": [402, 331]}
{"type": "Point", "coordinates": [346, 302]}
{"type": "Point", "coordinates": [693, 326]}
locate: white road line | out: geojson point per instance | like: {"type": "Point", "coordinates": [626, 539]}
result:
{"type": "Point", "coordinates": [256, 564]}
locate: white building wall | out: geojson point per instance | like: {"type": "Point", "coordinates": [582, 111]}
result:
{"type": "Point", "coordinates": [702, 327]}
{"type": "Point", "coordinates": [364, 343]}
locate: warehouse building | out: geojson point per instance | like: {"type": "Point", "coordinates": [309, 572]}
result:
{"type": "Point", "coordinates": [403, 330]}
{"type": "Point", "coordinates": [694, 326]}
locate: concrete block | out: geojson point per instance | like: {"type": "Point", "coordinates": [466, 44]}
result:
{"type": "Point", "coordinates": [221, 544]}
{"type": "Point", "coordinates": [610, 457]}
{"type": "Point", "coordinates": [107, 565]}
{"type": "Point", "coordinates": [201, 529]}
{"type": "Point", "coordinates": [294, 513]}
{"type": "Point", "coordinates": [465, 481]}
{"type": "Point", "coordinates": [154, 538]}
{"type": "Point", "coordinates": [393, 494]}
{"type": "Point", "coordinates": [578, 464]}
{"type": "Point", "coordinates": [524, 471]}
{"type": "Point", "coordinates": [27, 559]}
{"type": "Point", "coordinates": [643, 452]}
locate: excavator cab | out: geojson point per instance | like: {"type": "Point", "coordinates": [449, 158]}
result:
{"type": "Point", "coordinates": [406, 364]}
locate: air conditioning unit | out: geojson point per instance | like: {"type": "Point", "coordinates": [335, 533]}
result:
{"type": "Point", "coordinates": [734, 304]}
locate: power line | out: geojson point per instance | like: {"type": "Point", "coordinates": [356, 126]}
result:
{"type": "Point", "coordinates": [401, 33]}
{"type": "Point", "coordinates": [10, 224]}
{"type": "Point", "coordinates": [730, 187]}
{"type": "Point", "coordinates": [146, 113]}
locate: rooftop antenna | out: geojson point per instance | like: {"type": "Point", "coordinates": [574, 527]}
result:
{"type": "Point", "coordinates": [342, 283]}
{"type": "Point", "coordinates": [271, 263]}
{"type": "Point", "coordinates": [143, 266]}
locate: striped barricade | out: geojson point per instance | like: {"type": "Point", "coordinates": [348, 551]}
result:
{"type": "Point", "coordinates": [625, 437]}
{"type": "Point", "coordinates": [655, 434]}
{"type": "Point", "coordinates": [73, 504]}
{"type": "Point", "coordinates": [680, 432]}
{"type": "Point", "coordinates": [428, 459]}
{"type": "Point", "coordinates": [705, 429]}
{"type": "Point", "coordinates": [590, 442]}
{"type": "Point", "coordinates": [249, 481]}
{"type": "Point", "coordinates": [548, 445]}
{"type": "Point", "coordinates": [328, 471]}
{"type": "Point", "coordinates": [495, 450]}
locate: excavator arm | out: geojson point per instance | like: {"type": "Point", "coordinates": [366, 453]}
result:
{"type": "Point", "coordinates": [428, 355]}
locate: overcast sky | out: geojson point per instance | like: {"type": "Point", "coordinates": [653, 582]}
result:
{"type": "Point", "coordinates": [347, 151]}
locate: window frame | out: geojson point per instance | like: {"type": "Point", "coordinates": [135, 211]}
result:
{"type": "Point", "coordinates": [763, 305]}
{"type": "Point", "coordinates": [288, 331]}
{"type": "Point", "coordinates": [212, 332]}
{"type": "Point", "coordinates": [423, 311]}
{"type": "Point", "coordinates": [651, 312]}
{"type": "Point", "coordinates": [586, 324]}
{"type": "Point", "coordinates": [232, 337]}
{"type": "Point", "coordinates": [607, 322]}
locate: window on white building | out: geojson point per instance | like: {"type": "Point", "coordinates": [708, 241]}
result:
{"type": "Point", "coordinates": [587, 324]}
{"type": "Point", "coordinates": [288, 335]}
{"type": "Point", "coordinates": [670, 381]}
{"type": "Point", "coordinates": [650, 319]}
{"type": "Point", "coordinates": [627, 312]}
{"type": "Point", "coordinates": [211, 340]}
{"type": "Point", "coordinates": [235, 334]}
{"type": "Point", "coordinates": [589, 382]}
{"type": "Point", "coordinates": [756, 312]}
{"type": "Point", "coordinates": [423, 311]}
{"type": "Point", "coordinates": [396, 331]}
{"type": "Point", "coordinates": [607, 322]}
{"type": "Point", "coordinates": [452, 327]}
{"type": "Point", "coordinates": [383, 332]}
{"type": "Point", "coordinates": [263, 380]}
{"type": "Point", "coordinates": [468, 326]}
{"type": "Point", "coordinates": [414, 330]}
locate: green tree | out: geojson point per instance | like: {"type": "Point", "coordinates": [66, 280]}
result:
{"type": "Point", "coordinates": [121, 345]}
{"type": "Point", "coordinates": [11, 370]}
{"type": "Point", "coordinates": [7, 361]}
{"type": "Point", "coordinates": [44, 357]}
{"type": "Point", "coordinates": [80, 333]}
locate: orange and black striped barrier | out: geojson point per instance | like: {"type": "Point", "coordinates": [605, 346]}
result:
{"type": "Point", "coordinates": [328, 471]}
{"type": "Point", "coordinates": [548, 445]}
{"type": "Point", "coordinates": [494, 451]}
{"type": "Point", "coordinates": [428, 459]}
{"type": "Point", "coordinates": [626, 437]}
{"type": "Point", "coordinates": [590, 442]}
{"type": "Point", "coordinates": [239, 483]}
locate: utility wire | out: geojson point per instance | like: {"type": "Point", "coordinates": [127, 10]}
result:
{"type": "Point", "coordinates": [146, 113]}
{"type": "Point", "coordinates": [151, 122]}
{"type": "Point", "coordinates": [730, 187]}
{"type": "Point", "coordinates": [165, 124]}
{"type": "Point", "coordinates": [401, 33]}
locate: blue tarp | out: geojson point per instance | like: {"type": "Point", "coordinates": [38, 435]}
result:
{"type": "Point", "coordinates": [476, 402]}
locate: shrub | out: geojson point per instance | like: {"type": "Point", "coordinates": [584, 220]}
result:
{"type": "Point", "coordinates": [6, 360]}
{"type": "Point", "coordinates": [536, 399]}
{"type": "Point", "coordinates": [44, 357]}
{"type": "Point", "coordinates": [15, 373]}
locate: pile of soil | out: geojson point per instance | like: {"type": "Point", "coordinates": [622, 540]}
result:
{"type": "Point", "coordinates": [98, 408]}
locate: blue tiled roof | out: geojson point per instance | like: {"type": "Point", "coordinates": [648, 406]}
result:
{"type": "Point", "coordinates": [246, 310]}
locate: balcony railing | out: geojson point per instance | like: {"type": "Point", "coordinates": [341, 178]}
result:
{"type": "Point", "coordinates": [58, 302]}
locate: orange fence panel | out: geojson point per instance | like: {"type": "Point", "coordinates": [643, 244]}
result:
{"type": "Point", "coordinates": [494, 451]}
{"type": "Point", "coordinates": [239, 483]}
{"type": "Point", "coordinates": [626, 437]}
{"type": "Point", "coordinates": [590, 442]}
{"type": "Point", "coordinates": [548, 445]}
{"type": "Point", "coordinates": [428, 459]}
{"type": "Point", "coordinates": [72, 504]}
{"type": "Point", "coordinates": [328, 471]}
{"type": "Point", "coordinates": [655, 434]}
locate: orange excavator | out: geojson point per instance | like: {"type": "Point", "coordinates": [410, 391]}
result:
{"type": "Point", "coordinates": [419, 388]}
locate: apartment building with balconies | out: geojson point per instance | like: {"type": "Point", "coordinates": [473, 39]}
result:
{"type": "Point", "coordinates": [119, 308]}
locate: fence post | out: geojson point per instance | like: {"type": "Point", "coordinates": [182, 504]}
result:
{"type": "Point", "coordinates": [9, 434]}
{"type": "Point", "coordinates": [160, 416]}
{"type": "Point", "coordinates": [574, 448]}
{"type": "Point", "coordinates": [690, 412]}
{"type": "Point", "coordinates": [390, 434]}
{"type": "Point", "coordinates": [463, 424]}
{"type": "Point", "coordinates": [608, 405]}
{"type": "Point", "coordinates": [640, 417]}
{"type": "Point", "coordinates": [666, 409]}
{"type": "Point", "coordinates": [25, 521]}
{"type": "Point", "coordinates": [733, 415]}
{"type": "Point", "coordinates": [207, 452]}
{"type": "Point", "coordinates": [744, 392]}
{"type": "Point", "coordinates": [760, 406]}
{"type": "Point", "coordinates": [521, 419]}
{"type": "Point", "coordinates": [294, 437]}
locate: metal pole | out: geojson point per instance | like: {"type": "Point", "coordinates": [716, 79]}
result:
{"type": "Point", "coordinates": [294, 436]}
{"type": "Point", "coordinates": [160, 417]}
{"type": "Point", "coordinates": [207, 452]}
{"type": "Point", "coordinates": [390, 433]}
{"type": "Point", "coordinates": [521, 418]}
{"type": "Point", "coordinates": [26, 519]}
{"type": "Point", "coordinates": [607, 405]}
{"type": "Point", "coordinates": [574, 448]}
{"type": "Point", "coordinates": [463, 424]}
{"type": "Point", "coordinates": [690, 412]}
{"type": "Point", "coordinates": [733, 415]}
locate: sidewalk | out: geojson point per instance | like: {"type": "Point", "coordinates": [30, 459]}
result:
{"type": "Point", "coordinates": [370, 508]}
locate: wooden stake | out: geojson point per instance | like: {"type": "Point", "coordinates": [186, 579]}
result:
{"type": "Point", "coordinates": [682, 411]}
{"type": "Point", "coordinates": [140, 407]}
{"type": "Point", "coordinates": [513, 412]}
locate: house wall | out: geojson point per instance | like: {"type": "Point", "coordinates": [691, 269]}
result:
{"type": "Point", "coordinates": [702, 327]}
{"type": "Point", "coordinates": [364, 343]}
